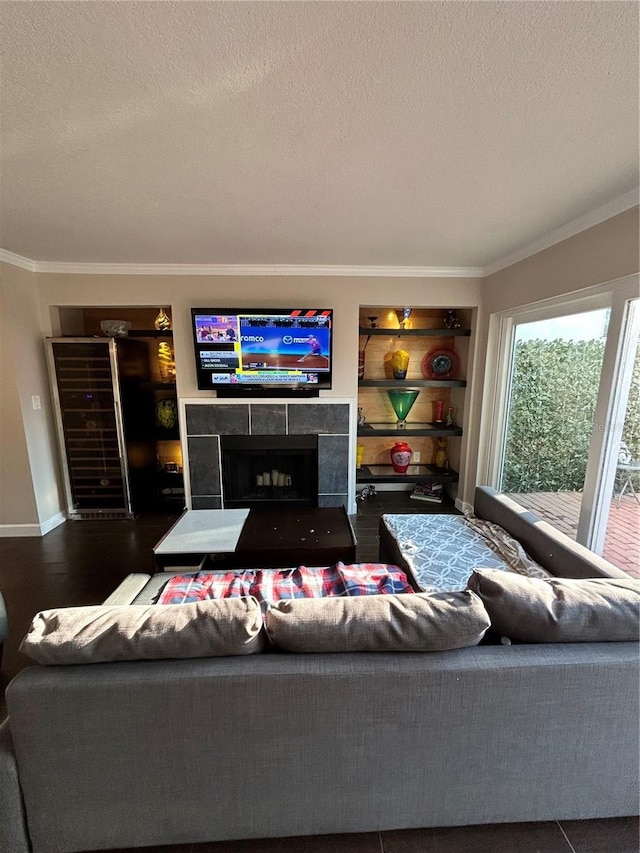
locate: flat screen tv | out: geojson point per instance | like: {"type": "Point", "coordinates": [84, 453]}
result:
{"type": "Point", "coordinates": [263, 351]}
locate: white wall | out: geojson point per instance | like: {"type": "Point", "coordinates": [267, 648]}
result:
{"type": "Point", "coordinates": [29, 495]}
{"type": "Point", "coordinates": [600, 254]}
{"type": "Point", "coordinates": [344, 295]}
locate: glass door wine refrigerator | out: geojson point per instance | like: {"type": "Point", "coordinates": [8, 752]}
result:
{"type": "Point", "coordinates": [96, 389]}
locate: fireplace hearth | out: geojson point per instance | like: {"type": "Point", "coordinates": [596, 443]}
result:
{"type": "Point", "coordinates": [262, 470]}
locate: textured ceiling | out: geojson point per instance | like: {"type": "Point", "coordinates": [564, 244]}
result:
{"type": "Point", "coordinates": [418, 133]}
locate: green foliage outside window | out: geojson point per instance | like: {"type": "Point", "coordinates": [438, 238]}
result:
{"type": "Point", "coordinates": [631, 429]}
{"type": "Point", "coordinates": [553, 398]}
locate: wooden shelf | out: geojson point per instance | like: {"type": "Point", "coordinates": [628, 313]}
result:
{"type": "Point", "coordinates": [158, 386]}
{"type": "Point", "coordinates": [412, 384]}
{"type": "Point", "coordinates": [414, 474]}
{"type": "Point", "coordinates": [428, 428]}
{"type": "Point", "coordinates": [161, 434]}
{"type": "Point", "coordinates": [423, 333]}
{"type": "Point", "coordinates": [149, 333]}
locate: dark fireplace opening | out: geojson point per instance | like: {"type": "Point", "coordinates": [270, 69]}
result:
{"type": "Point", "coordinates": [259, 470]}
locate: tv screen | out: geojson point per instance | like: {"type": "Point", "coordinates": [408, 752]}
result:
{"type": "Point", "coordinates": [267, 352]}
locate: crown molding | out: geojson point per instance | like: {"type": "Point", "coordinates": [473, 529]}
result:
{"type": "Point", "coordinates": [18, 261]}
{"type": "Point", "coordinates": [569, 229]}
{"type": "Point", "coordinates": [248, 269]}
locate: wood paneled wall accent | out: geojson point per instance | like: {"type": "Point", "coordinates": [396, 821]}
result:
{"type": "Point", "coordinates": [379, 348]}
{"type": "Point", "coordinates": [421, 318]}
{"type": "Point", "coordinates": [376, 450]}
{"type": "Point", "coordinates": [169, 451]}
{"type": "Point", "coordinates": [139, 317]}
{"type": "Point", "coordinates": [377, 407]}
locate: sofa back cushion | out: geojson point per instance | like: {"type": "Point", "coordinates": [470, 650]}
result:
{"type": "Point", "coordinates": [80, 635]}
{"type": "Point", "coordinates": [378, 623]}
{"type": "Point", "coordinates": [559, 610]}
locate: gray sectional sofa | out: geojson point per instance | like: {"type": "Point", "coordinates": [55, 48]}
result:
{"type": "Point", "coordinates": [127, 754]}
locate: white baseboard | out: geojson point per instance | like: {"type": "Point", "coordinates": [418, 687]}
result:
{"type": "Point", "coordinates": [8, 530]}
{"type": "Point", "coordinates": [53, 522]}
{"type": "Point", "coordinates": [464, 507]}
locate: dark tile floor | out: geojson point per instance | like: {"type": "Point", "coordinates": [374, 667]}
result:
{"type": "Point", "coordinates": [365, 523]}
{"type": "Point", "coordinates": [82, 562]}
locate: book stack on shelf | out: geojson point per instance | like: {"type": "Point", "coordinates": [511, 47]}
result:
{"type": "Point", "coordinates": [429, 492]}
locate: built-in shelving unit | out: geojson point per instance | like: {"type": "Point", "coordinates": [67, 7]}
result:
{"type": "Point", "coordinates": [408, 333]}
{"type": "Point", "coordinates": [158, 386]}
{"type": "Point", "coordinates": [378, 428]}
{"type": "Point", "coordinates": [409, 384]}
{"type": "Point", "coordinates": [431, 429]}
{"type": "Point", "coordinates": [168, 485]}
{"type": "Point", "coordinates": [414, 474]}
{"type": "Point", "coordinates": [150, 333]}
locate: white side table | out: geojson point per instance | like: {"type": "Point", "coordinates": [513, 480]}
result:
{"type": "Point", "coordinates": [195, 534]}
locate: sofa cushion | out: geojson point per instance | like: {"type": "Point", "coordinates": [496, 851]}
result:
{"type": "Point", "coordinates": [560, 610]}
{"type": "Point", "coordinates": [74, 635]}
{"type": "Point", "coordinates": [377, 623]}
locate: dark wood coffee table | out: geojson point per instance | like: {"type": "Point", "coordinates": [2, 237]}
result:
{"type": "Point", "coordinates": [311, 536]}
{"type": "Point", "coordinates": [268, 539]}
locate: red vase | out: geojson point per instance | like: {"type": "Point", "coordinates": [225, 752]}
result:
{"type": "Point", "coordinates": [400, 457]}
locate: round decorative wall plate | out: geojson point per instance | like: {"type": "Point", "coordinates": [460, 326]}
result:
{"type": "Point", "coordinates": [440, 364]}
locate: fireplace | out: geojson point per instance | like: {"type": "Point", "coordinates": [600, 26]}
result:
{"type": "Point", "coordinates": [325, 425]}
{"type": "Point", "coordinates": [260, 470]}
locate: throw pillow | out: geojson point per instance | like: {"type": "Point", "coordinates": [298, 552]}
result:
{"type": "Point", "coordinates": [378, 623]}
{"type": "Point", "coordinates": [73, 635]}
{"type": "Point", "coordinates": [559, 610]}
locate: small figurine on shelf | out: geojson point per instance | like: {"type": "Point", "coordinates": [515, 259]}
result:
{"type": "Point", "coordinates": [449, 420]}
{"type": "Point", "coordinates": [451, 320]}
{"type": "Point", "coordinates": [361, 417]}
{"type": "Point", "coordinates": [403, 315]}
{"type": "Point", "coordinates": [367, 492]}
{"type": "Point", "coordinates": [442, 460]}
{"type": "Point", "coordinates": [372, 320]}
{"type": "Point", "coordinates": [166, 364]}
{"type": "Point", "coordinates": [162, 322]}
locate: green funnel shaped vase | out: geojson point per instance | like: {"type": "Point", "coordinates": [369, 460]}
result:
{"type": "Point", "coordinates": [402, 402]}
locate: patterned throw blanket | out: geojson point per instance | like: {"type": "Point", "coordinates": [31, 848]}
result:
{"type": "Point", "coordinates": [442, 550]}
{"type": "Point", "coordinates": [276, 584]}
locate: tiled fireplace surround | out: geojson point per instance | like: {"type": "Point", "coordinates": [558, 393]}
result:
{"type": "Point", "coordinates": [206, 422]}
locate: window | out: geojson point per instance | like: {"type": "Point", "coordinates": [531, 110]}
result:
{"type": "Point", "coordinates": [567, 394]}
{"type": "Point", "coordinates": [554, 379]}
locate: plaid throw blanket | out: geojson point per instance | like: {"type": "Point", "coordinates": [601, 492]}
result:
{"type": "Point", "coordinates": [277, 584]}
